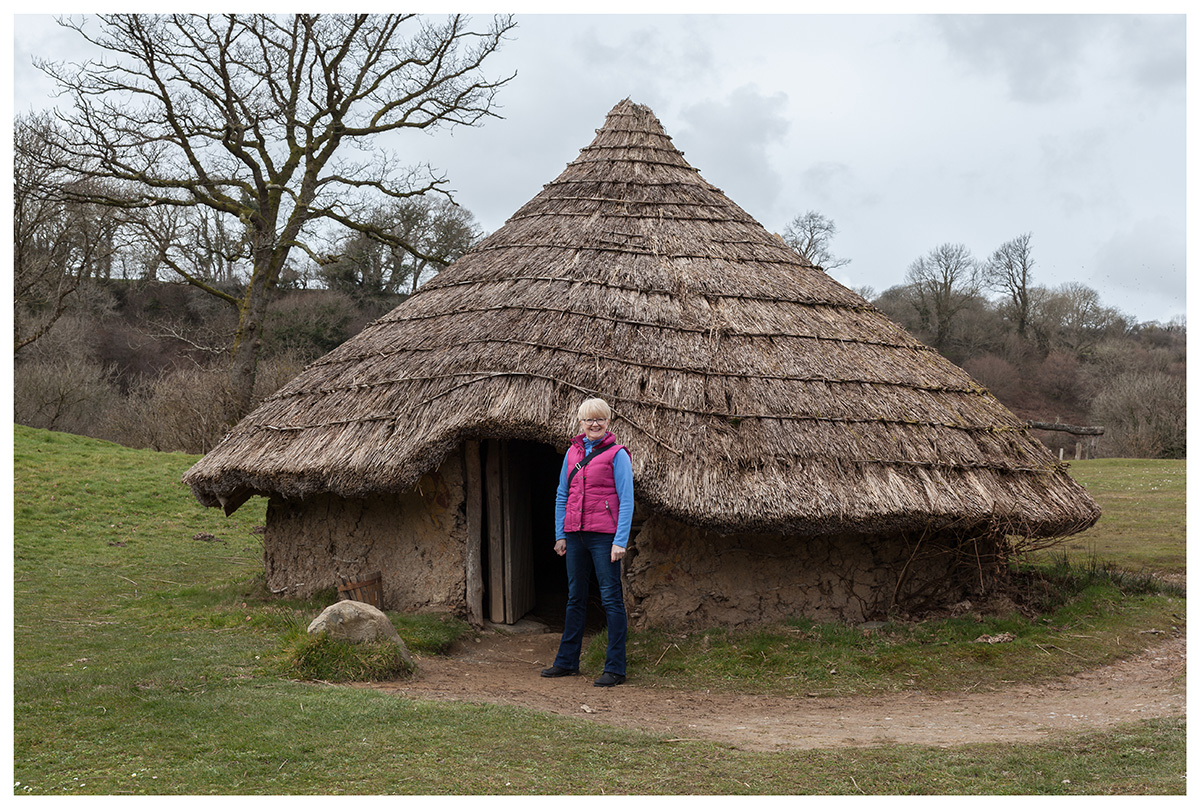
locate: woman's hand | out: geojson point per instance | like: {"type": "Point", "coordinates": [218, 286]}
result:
{"type": "Point", "coordinates": [617, 553]}
{"type": "Point", "coordinates": [560, 547]}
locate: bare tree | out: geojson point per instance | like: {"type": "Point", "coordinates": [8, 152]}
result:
{"type": "Point", "coordinates": [56, 242]}
{"type": "Point", "coordinates": [273, 122]}
{"type": "Point", "coordinates": [810, 235]}
{"type": "Point", "coordinates": [1010, 272]}
{"type": "Point", "coordinates": [1072, 317]}
{"type": "Point", "coordinates": [941, 284]}
{"type": "Point", "coordinates": [440, 230]}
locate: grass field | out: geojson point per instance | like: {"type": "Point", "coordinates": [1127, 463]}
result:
{"type": "Point", "coordinates": [149, 660]}
{"type": "Point", "coordinates": [1143, 526]}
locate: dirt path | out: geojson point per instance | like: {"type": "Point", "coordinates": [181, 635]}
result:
{"type": "Point", "coordinates": [503, 669]}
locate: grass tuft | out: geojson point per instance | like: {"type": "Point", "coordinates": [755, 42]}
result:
{"type": "Point", "coordinates": [1052, 584]}
{"type": "Point", "coordinates": [321, 657]}
{"type": "Point", "coordinates": [427, 634]}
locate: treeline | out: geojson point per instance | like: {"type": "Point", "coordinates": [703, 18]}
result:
{"type": "Point", "coordinates": [1050, 354]}
{"type": "Point", "coordinates": [1082, 364]}
{"type": "Point", "coordinates": [145, 363]}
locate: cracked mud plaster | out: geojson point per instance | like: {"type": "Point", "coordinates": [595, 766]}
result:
{"type": "Point", "coordinates": [415, 538]}
{"type": "Point", "coordinates": [686, 577]}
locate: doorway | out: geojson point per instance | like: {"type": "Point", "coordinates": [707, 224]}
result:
{"type": "Point", "coordinates": [520, 572]}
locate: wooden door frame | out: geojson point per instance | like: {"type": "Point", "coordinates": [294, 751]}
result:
{"type": "Point", "coordinates": [497, 515]}
{"type": "Point", "coordinates": [472, 467]}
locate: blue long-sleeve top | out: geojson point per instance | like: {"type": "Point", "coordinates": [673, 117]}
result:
{"type": "Point", "coordinates": [622, 476]}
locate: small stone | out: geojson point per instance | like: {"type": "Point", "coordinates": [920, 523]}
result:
{"type": "Point", "coordinates": [359, 622]}
{"type": "Point", "coordinates": [1003, 637]}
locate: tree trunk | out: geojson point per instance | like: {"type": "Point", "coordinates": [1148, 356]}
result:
{"type": "Point", "coordinates": [243, 369]}
{"type": "Point", "coordinates": [247, 345]}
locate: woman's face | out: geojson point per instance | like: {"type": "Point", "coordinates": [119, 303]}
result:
{"type": "Point", "coordinates": [594, 428]}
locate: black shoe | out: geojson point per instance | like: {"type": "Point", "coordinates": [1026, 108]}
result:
{"type": "Point", "coordinates": [555, 671]}
{"type": "Point", "coordinates": [608, 680]}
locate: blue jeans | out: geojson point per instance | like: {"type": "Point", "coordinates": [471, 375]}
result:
{"type": "Point", "coordinates": [588, 551]}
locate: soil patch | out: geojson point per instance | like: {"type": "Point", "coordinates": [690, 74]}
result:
{"type": "Point", "coordinates": [502, 668]}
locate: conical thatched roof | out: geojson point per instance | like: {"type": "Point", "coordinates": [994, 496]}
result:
{"type": "Point", "coordinates": [755, 392]}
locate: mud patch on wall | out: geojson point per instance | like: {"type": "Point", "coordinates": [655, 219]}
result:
{"type": "Point", "coordinates": [417, 539]}
{"type": "Point", "coordinates": [685, 577]}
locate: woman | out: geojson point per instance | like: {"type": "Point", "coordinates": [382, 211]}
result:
{"type": "Point", "coordinates": [594, 509]}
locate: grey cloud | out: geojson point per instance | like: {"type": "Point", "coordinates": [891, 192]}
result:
{"type": "Point", "coordinates": [1075, 172]}
{"type": "Point", "coordinates": [1144, 263]}
{"type": "Point", "coordinates": [643, 46]}
{"type": "Point", "coordinates": [1045, 58]}
{"type": "Point", "coordinates": [1037, 55]}
{"type": "Point", "coordinates": [737, 133]}
{"type": "Point", "coordinates": [1155, 55]}
{"type": "Point", "coordinates": [823, 180]}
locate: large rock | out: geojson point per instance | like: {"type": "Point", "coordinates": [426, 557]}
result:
{"type": "Point", "coordinates": [358, 622]}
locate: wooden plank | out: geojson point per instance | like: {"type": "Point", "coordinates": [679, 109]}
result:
{"type": "Point", "coordinates": [473, 471]}
{"type": "Point", "coordinates": [520, 595]}
{"type": "Point", "coordinates": [494, 492]}
{"type": "Point", "coordinates": [1066, 428]}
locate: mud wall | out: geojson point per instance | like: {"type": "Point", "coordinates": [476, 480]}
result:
{"type": "Point", "coordinates": [685, 577]}
{"type": "Point", "coordinates": [417, 539]}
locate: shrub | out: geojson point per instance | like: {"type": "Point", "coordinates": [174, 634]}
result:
{"type": "Point", "coordinates": [60, 384]}
{"type": "Point", "coordinates": [308, 324]}
{"type": "Point", "coordinates": [998, 375]}
{"type": "Point", "coordinates": [188, 410]}
{"type": "Point", "coordinates": [1144, 415]}
{"type": "Point", "coordinates": [1058, 377]}
{"type": "Point", "coordinates": [275, 371]}
{"type": "Point", "coordinates": [71, 394]}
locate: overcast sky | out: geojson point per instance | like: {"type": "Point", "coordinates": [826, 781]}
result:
{"type": "Point", "coordinates": [908, 131]}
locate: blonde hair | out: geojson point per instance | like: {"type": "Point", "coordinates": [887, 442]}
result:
{"type": "Point", "coordinates": [595, 408]}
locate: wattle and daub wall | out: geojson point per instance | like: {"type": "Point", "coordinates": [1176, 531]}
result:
{"type": "Point", "coordinates": [417, 540]}
{"type": "Point", "coordinates": [676, 575]}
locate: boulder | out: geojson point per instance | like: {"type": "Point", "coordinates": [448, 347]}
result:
{"type": "Point", "coordinates": [359, 622]}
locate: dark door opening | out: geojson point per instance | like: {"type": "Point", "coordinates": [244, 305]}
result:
{"type": "Point", "coordinates": [521, 573]}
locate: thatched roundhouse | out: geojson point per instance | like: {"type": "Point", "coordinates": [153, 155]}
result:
{"type": "Point", "coordinates": [794, 451]}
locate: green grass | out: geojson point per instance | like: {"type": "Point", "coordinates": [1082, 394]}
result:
{"type": "Point", "coordinates": [149, 662]}
{"type": "Point", "coordinates": [1106, 615]}
{"type": "Point", "coordinates": [1144, 520]}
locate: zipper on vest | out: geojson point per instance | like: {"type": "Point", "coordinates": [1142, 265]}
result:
{"type": "Point", "coordinates": [583, 500]}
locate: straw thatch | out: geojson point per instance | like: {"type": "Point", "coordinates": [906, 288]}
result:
{"type": "Point", "coordinates": [754, 391]}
